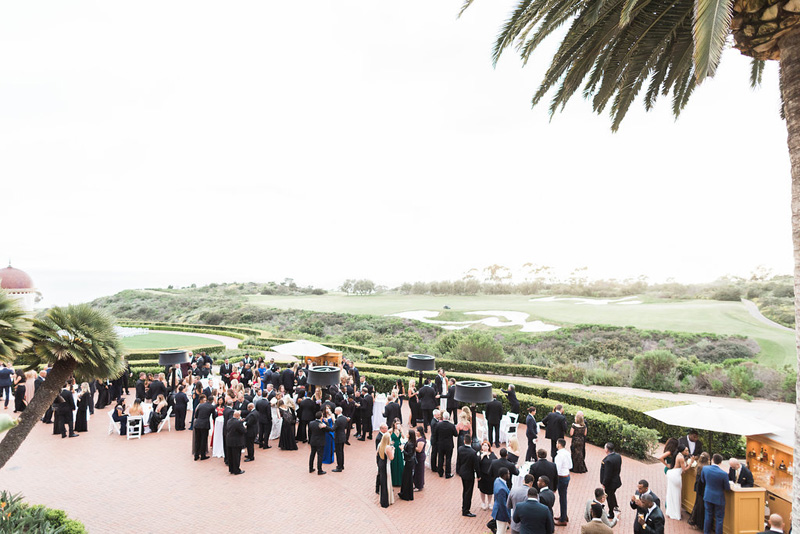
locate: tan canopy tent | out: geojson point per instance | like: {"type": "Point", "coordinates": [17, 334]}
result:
{"type": "Point", "coordinates": [311, 352]}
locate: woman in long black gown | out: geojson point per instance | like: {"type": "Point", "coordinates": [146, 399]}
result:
{"type": "Point", "coordinates": [287, 441]}
{"type": "Point", "coordinates": [413, 403]}
{"type": "Point", "coordinates": [102, 395]}
{"type": "Point", "coordinates": [384, 456]}
{"type": "Point", "coordinates": [160, 410]}
{"type": "Point", "coordinates": [409, 459]}
{"type": "Point", "coordinates": [19, 391]}
{"type": "Point", "coordinates": [84, 399]}
{"type": "Point", "coordinates": [697, 519]}
{"type": "Point", "coordinates": [578, 445]}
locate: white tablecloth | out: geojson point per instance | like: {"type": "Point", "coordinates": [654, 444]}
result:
{"type": "Point", "coordinates": [377, 412]}
{"type": "Point", "coordinates": [519, 480]}
{"type": "Point", "coordinates": [218, 450]}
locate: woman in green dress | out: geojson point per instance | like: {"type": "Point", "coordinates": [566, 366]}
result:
{"type": "Point", "coordinates": [397, 462]}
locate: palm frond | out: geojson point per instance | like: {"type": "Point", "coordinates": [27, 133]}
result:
{"type": "Point", "coordinates": [756, 71]}
{"type": "Point", "coordinates": [14, 325]}
{"type": "Point", "coordinates": [712, 22]}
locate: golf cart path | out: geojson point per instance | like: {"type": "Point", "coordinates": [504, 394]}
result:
{"type": "Point", "coordinates": [780, 414]}
{"type": "Point", "coordinates": [755, 312]}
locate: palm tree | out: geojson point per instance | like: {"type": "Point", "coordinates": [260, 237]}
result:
{"type": "Point", "coordinates": [76, 340]}
{"type": "Point", "coordinates": [14, 323]}
{"type": "Point", "coordinates": [612, 48]}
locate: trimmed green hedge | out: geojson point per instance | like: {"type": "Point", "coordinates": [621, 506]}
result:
{"type": "Point", "coordinates": [232, 331]}
{"type": "Point", "coordinates": [475, 367]}
{"type": "Point", "coordinates": [631, 439]}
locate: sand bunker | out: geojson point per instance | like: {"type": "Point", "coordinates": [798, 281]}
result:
{"type": "Point", "coordinates": [590, 302]}
{"type": "Point", "coordinates": [512, 318]}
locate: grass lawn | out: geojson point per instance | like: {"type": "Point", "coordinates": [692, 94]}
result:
{"type": "Point", "coordinates": [157, 340]}
{"type": "Point", "coordinates": [777, 346]}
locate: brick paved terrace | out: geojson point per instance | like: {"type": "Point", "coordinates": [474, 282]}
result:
{"type": "Point", "coordinates": [153, 485]}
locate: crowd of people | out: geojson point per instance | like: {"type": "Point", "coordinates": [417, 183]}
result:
{"type": "Point", "coordinates": [251, 402]}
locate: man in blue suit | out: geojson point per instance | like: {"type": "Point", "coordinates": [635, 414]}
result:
{"type": "Point", "coordinates": [531, 432]}
{"type": "Point", "coordinates": [717, 483]}
{"type": "Point", "coordinates": [532, 516]}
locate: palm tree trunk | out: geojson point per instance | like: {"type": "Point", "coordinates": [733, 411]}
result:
{"type": "Point", "coordinates": [56, 378]}
{"type": "Point", "coordinates": [790, 87]}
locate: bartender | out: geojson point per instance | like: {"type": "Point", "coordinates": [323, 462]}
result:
{"type": "Point", "coordinates": [740, 474]}
{"type": "Point", "coordinates": [692, 441]}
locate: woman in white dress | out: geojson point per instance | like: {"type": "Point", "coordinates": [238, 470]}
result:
{"type": "Point", "coordinates": [276, 420]}
{"type": "Point", "coordinates": [674, 477]}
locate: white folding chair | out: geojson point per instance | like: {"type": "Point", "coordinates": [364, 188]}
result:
{"type": "Point", "coordinates": [166, 421]}
{"type": "Point", "coordinates": [134, 429]}
{"type": "Point", "coordinates": [113, 426]}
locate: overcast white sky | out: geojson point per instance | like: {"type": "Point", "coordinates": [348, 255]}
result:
{"type": "Point", "coordinates": [206, 141]}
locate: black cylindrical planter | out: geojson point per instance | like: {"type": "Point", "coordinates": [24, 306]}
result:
{"type": "Point", "coordinates": [421, 362]}
{"type": "Point", "coordinates": [324, 375]}
{"type": "Point", "coordinates": [173, 357]}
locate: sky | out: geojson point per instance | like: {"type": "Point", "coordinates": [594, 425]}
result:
{"type": "Point", "coordinates": [149, 143]}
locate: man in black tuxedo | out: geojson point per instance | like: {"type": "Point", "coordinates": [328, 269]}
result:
{"type": "Point", "coordinates": [157, 388]}
{"type": "Point", "coordinates": [533, 517]}
{"type": "Point", "coordinates": [225, 371]}
{"type": "Point", "coordinates": [251, 422]}
{"type": "Point", "coordinates": [643, 489]}
{"type": "Point", "coordinates": [437, 416]}
{"type": "Point", "coordinates": [202, 424]}
{"type": "Point", "coordinates": [531, 433]}
{"type": "Point", "coordinates": [543, 467]}
{"type": "Point", "coordinates": [247, 360]}
{"type": "Point", "coordinates": [227, 414]}
{"type": "Point", "coordinates": [427, 403]}
{"type": "Point", "coordinates": [511, 393]}
{"type": "Point", "coordinates": [439, 381]}
{"type": "Point", "coordinates": [141, 390]}
{"type": "Point", "coordinates": [740, 474]}
{"type": "Point", "coordinates": [366, 415]}
{"type": "Point", "coordinates": [502, 462]}
{"type": "Point", "coordinates": [247, 376]}
{"type": "Point", "coordinates": [445, 434]}
{"type": "Point", "coordinates": [339, 438]}
{"type": "Point", "coordinates": [546, 496]}
{"type": "Point", "coordinates": [316, 438]}
{"type": "Point", "coordinates": [493, 413]}
{"type": "Point", "coordinates": [452, 403]}
{"type": "Point", "coordinates": [287, 379]}
{"type": "Point", "coordinates": [468, 470]}
{"type": "Point", "coordinates": [349, 411]}
{"type": "Point", "coordinates": [364, 384]}
{"type": "Point", "coordinates": [392, 411]}
{"type": "Point", "coordinates": [651, 521]}
{"type": "Point", "coordinates": [306, 408]}
{"type": "Point", "coordinates": [264, 410]}
{"type": "Point", "coordinates": [180, 402]}
{"type": "Point", "coordinates": [555, 425]}
{"type": "Point", "coordinates": [235, 433]}
{"type": "Point", "coordinates": [692, 441]}
{"type": "Point", "coordinates": [610, 470]}
{"type": "Point", "coordinates": [64, 411]}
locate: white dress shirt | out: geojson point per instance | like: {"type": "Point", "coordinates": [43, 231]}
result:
{"type": "Point", "coordinates": [563, 461]}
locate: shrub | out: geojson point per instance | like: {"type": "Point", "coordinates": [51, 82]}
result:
{"type": "Point", "coordinates": [656, 370]}
{"type": "Point", "coordinates": [567, 372]}
{"type": "Point", "coordinates": [18, 516]}
{"type": "Point", "coordinates": [479, 347]}
{"type": "Point", "coordinates": [727, 293]}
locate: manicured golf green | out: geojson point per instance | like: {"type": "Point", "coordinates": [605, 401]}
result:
{"type": "Point", "coordinates": [777, 345]}
{"type": "Point", "coordinates": [158, 340]}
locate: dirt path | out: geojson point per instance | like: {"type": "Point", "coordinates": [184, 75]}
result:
{"type": "Point", "coordinates": [755, 312]}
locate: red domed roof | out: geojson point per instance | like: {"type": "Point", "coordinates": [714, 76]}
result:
{"type": "Point", "coordinates": [11, 278]}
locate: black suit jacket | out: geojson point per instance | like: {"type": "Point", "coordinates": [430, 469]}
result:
{"type": "Point", "coordinates": [316, 433]}
{"type": "Point", "coordinates": [438, 384]}
{"type": "Point", "coordinates": [548, 498]}
{"type": "Point", "coordinates": [391, 412]}
{"type": "Point", "coordinates": [156, 388]}
{"type": "Point", "coordinates": [287, 379]}
{"type": "Point", "coordinates": [225, 370]}
{"type": "Point", "coordinates": [698, 445]}
{"type": "Point", "coordinates": [307, 408]}
{"type": "Point", "coordinates": [745, 477]}
{"type": "Point", "coordinates": [494, 412]}
{"type": "Point", "coordinates": [445, 433]}
{"type": "Point", "coordinates": [427, 398]}
{"type": "Point", "coordinates": [468, 462]}
{"type": "Point", "coordinates": [452, 404]}
{"type": "Point", "coordinates": [533, 518]}
{"type": "Point", "coordinates": [234, 433]}
{"type": "Point", "coordinates": [366, 406]}
{"type": "Point", "coordinates": [640, 509]}
{"type": "Point", "coordinates": [555, 425]}
{"type": "Point", "coordinates": [252, 424]}
{"type": "Point", "coordinates": [181, 400]}
{"type": "Point", "coordinates": [544, 468]}
{"type": "Point", "coordinates": [340, 429]}
{"type": "Point", "coordinates": [202, 414]}
{"type": "Point", "coordinates": [434, 437]}
{"type": "Point", "coordinates": [610, 470]}
{"type": "Point", "coordinates": [69, 402]}
{"type": "Point", "coordinates": [141, 391]}
{"type": "Point", "coordinates": [654, 522]}
{"type": "Point", "coordinates": [499, 464]}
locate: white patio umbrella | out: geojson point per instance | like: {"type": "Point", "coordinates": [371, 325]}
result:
{"type": "Point", "coordinates": [302, 347]}
{"type": "Point", "coordinates": [712, 417]}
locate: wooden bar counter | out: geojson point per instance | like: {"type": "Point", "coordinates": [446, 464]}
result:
{"type": "Point", "coordinates": [744, 507]}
